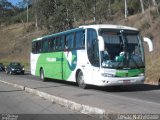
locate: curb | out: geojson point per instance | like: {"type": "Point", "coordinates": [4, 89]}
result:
{"type": "Point", "coordinates": [14, 85]}
{"type": "Point", "coordinates": [85, 109]}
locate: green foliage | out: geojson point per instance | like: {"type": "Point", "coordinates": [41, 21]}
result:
{"type": "Point", "coordinates": [8, 13]}
{"type": "Point", "coordinates": [59, 15]}
{"type": "Point", "coordinates": [133, 6]}
{"type": "Point", "coordinates": [118, 5]}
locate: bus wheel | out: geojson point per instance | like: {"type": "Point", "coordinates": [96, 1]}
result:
{"type": "Point", "coordinates": [42, 75]}
{"type": "Point", "coordinates": [80, 80]}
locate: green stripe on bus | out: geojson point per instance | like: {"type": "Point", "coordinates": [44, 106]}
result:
{"type": "Point", "coordinates": [129, 73]}
{"type": "Point", "coordinates": [56, 65]}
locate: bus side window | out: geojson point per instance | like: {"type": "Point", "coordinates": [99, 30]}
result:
{"type": "Point", "coordinates": [53, 44]}
{"type": "Point", "coordinates": [36, 47]}
{"type": "Point", "coordinates": [65, 44]}
{"type": "Point", "coordinates": [58, 44]}
{"type": "Point", "coordinates": [49, 45]}
{"type": "Point", "coordinates": [33, 47]}
{"type": "Point", "coordinates": [69, 41]}
{"type": "Point", "coordinates": [80, 40]}
{"type": "Point", "coordinates": [39, 46]}
{"type": "Point", "coordinates": [45, 46]}
{"type": "Point", "coordinates": [62, 42]}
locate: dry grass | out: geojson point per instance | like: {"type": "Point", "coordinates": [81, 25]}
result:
{"type": "Point", "coordinates": [15, 43]}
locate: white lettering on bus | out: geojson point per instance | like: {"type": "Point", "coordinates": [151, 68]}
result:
{"type": "Point", "coordinates": [51, 59]}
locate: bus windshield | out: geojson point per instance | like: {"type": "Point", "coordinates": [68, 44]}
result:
{"type": "Point", "coordinates": [123, 49]}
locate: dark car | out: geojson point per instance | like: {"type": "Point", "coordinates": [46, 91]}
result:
{"type": "Point", "coordinates": [15, 68]}
{"type": "Point", "coordinates": [2, 68]}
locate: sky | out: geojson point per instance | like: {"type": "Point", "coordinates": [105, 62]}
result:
{"type": "Point", "coordinates": [14, 2]}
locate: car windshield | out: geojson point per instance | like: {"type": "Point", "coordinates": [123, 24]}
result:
{"type": "Point", "coordinates": [123, 49]}
{"type": "Point", "coordinates": [16, 65]}
{"type": "Point", "coordinates": [1, 65]}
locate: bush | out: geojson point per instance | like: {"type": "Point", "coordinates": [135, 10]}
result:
{"type": "Point", "coordinates": [145, 25]}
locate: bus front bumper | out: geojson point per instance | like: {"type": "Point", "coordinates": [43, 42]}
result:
{"type": "Point", "coordinates": [114, 81]}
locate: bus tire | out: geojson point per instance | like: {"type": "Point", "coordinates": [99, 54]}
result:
{"type": "Point", "coordinates": [42, 75]}
{"type": "Point", "coordinates": [80, 80]}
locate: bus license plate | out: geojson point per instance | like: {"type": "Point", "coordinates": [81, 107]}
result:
{"type": "Point", "coordinates": [126, 81]}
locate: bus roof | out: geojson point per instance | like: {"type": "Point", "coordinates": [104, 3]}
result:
{"type": "Point", "coordinates": [98, 26]}
{"type": "Point", "coordinates": [109, 26]}
{"type": "Point", "coordinates": [60, 33]}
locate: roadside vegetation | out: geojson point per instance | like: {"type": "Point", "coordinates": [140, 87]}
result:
{"type": "Point", "coordinates": [34, 18]}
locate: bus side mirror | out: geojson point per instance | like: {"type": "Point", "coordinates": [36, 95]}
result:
{"type": "Point", "coordinates": [101, 43]}
{"type": "Point", "coordinates": [149, 42]}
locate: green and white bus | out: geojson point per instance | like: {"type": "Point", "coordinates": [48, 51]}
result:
{"type": "Point", "coordinates": [102, 55]}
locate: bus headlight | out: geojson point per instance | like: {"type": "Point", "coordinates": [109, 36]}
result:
{"type": "Point", "coordinates": [107, 75]}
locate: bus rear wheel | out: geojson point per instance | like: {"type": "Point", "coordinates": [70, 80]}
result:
{"type": "Point", "coordinates": [42, 75]}
{"type": "Point", "coordinates": [80, 80]}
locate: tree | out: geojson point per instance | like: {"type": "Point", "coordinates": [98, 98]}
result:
{"type": "Point", "coordinates": [6, 11]}
{"type": "Point", "coordinates": [155, 4]}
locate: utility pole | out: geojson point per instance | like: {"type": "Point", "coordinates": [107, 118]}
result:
{"type": "Point", "coordinates": [126, 10]}
{"type": "Point", "coordinates": [27, 11]}
{"type": "Point", "coordinates": [155, 5]}
{"type": "Point", "coordinates": [142, 6]}
{"type": "Point", "coordinates": [109, 8]}
{"type": "Point", "coordinates": [36, 16]}
{"type": "Point", "coordinates": [94, 11]}
{"type": "Point", "coordinates": [154, 2]}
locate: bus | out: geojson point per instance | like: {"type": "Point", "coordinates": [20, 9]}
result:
{"type": "Point", "coordinates": [101, 55]}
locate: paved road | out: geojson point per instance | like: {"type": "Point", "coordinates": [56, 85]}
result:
{"type": "Point", "coordinates": [16, 102]}
{"type": "Point", "coordinates": [128, 99]}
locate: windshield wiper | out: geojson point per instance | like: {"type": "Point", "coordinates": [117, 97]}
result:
{"type": "Point", "coordinates": [124, 49]}
{"type": "Point", "coordinates": [137, 66]}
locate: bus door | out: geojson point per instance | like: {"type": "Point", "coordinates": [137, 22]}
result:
{"type": "Point", "coordinates": [93, 66]}
{"type": "Point", "coordinates": [93, 54]}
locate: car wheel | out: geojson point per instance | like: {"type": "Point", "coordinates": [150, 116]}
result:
{"type": "Point", "coordinates": [42, 75]}
{"type": "Point", "coordinates": [7, 72]}
{"type": "Point", "coordinates": [22, 73]}
{"type": "Point", "coordinates": [10, 72]}
{"type": "Point", "coordinates": [80, 80]}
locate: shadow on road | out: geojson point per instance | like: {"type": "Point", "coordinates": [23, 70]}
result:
{"type": "Point", "coordinates": [129, 88]}
{"type": "Point", "coordinates": [126, 88]}
{"type": "Point", "coordinates": [65, 83]}
{"type": "Point", "coordinates": [52, 86]}
{"type": "Point", "coordinates": [11, 91]}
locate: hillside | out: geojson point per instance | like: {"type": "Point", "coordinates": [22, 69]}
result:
{"type": "Point", "coordinates": [15, 41]}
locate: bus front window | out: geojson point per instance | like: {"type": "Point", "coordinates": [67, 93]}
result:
{"type": "Point", "coordinates": [122, 50]}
